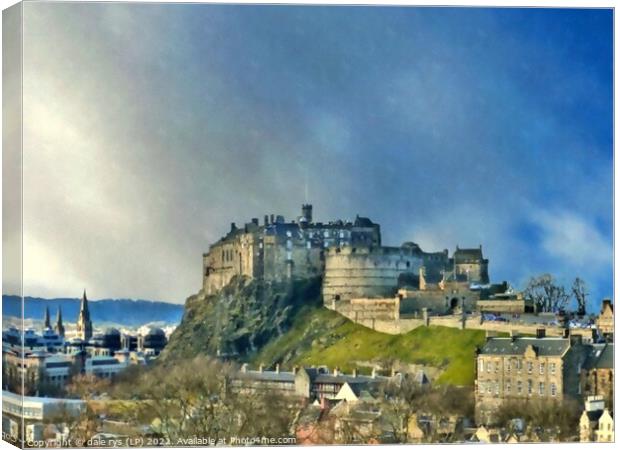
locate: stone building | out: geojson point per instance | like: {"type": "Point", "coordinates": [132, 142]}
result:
{"type": "Point", "coordinates": [278, 249]}
{"type": "Point", "coordinates": [306, 382]}
{"type": "Point", "coordinates": [596, 423]}
{"type": "Point", "coordinates": [597, 376]}
{"type": "Point", "coordinates": [605, 321]}
{"type": "Point", "coordinates": [526, 368]}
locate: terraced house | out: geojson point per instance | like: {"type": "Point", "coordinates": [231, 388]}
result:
{"type": "Point", "coordinates": [525, 369]}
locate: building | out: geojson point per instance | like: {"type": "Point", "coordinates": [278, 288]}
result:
{"type": "Point", "coordinates": [307, 382]}
{"type": "Point", "coordinates": [596, 423]}
{"type": "Point", "coordinates": [84, 326]}
{"type": "Point", "coordinates": [605, 321]}
{"type": "Point", "coordinates": [278, 249]}
{"type": "Point", "coordinates": [526, 368]}
{"type": "Point", "coordinates": [597, 376]}
{"type": "Point", "coordinates": [429, 280]}
{"type": "Point", "coordinates": [38, 408]}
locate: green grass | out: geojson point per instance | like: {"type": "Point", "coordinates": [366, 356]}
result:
{"type": "Point", "coordinates": [322, 337]}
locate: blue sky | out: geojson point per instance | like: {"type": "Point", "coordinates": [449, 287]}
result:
{"type": "Point", "coordinates": [157, 125]}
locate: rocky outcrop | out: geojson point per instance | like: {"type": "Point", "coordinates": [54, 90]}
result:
{"type": "Point", "coordinates": [241, 318]}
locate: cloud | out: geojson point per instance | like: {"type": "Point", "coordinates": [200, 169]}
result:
{"type": "Point", "coordinates": [573, 240]}
{"type": "Point", "coordinates": [152, 127]}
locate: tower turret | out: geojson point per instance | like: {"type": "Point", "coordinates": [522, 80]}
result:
{"type": "Point", "coordinates": [306, 212]}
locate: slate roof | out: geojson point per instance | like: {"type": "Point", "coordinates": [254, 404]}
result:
{"type": "Point", "coordinates": [268, 375]}
{"type": "Point", "coordinates": [601, 357]}
{"type": "Point", "coordinates": [509, 346]}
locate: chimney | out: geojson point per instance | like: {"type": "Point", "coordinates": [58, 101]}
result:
{"type": "Point", "coordinates": [277, 368]}
{"type": "Point", "coordinates": [354, 373]}
{"type": "Point", "coordinates": [295, 370]}
{"type": "Point", "coordinates": [566, 333]}
{"type": "Point", "coordinates": [575, 339]}
{"type": "Point", "coordinates": [540, 333]}
{"type": "Point", "coordinates": [233, 227]}
{"type": "Point", "coordinates": [254, 220]}
{"type": "Point", "coordinates": [324, 403]}
{"type": "Point", "coordinates": [273, 220]}
{"type": "Point", "coordinates": [266, 220]}
{"type": "Point", "coordinates": [374, 372]}
{"type": "Point", "coordinates": [336, 371]}
{"type": "Point", "coordinates": [514, 334]}
{"type": "Point", "coordinates": [261, 368]}
{"type": "Point", "coordinates": [244, 367]}
{"type": "Point", "coordinates": [392, 372]}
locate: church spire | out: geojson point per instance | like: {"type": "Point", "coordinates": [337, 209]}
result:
{"type": "Point", "coordinates": [60, 329]}
{"type": "Point", "coordinates": [47, 323]}
{"type": "Point", "coordinates": [84, 325]}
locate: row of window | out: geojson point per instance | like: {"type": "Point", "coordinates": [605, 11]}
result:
{"type": "Point", "coordinates": [493, 388]}
{"type": "Point", "coordinates": [517, 365]}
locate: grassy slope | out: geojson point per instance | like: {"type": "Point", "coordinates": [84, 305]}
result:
{"type": "Point", "coordinates": [321, 337]}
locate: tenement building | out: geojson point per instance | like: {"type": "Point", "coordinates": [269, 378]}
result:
{"type": "Point", "coordinates": [516, 369]}
{"type": "Point", "coordinates": [597, 376]}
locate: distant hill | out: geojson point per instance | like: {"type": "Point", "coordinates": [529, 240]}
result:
{"type": "Point", "coordinates": [120, 311]}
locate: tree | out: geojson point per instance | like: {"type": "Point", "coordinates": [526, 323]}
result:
{"type": "Point", "coordinates": [580, 295]}
{"type": "Point", "coordinates": [546, 294]}
{"type": "Point", "coordinates": [549, 418]}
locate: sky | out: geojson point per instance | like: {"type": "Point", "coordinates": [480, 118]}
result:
{"type": "Point", "coordinates": [149, 128]}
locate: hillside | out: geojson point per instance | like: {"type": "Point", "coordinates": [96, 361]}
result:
{"type": "Point", "coordinates": [119, 311]}
{"type": "Point", "coordinates": [269, 323]}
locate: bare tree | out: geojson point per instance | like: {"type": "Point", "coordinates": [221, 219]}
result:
{"type": "Point", "coordinates": [580, 294]}
{"type": "Point", "coordinates": [546, 294]}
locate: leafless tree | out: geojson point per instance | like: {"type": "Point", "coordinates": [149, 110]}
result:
{"type": "Point", "coordinates": [546, 294]}
{"type": "Point", "coordinates": [580, 294]}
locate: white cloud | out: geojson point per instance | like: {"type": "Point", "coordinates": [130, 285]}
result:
{"type": "Point", "coordinates": [574, 240]}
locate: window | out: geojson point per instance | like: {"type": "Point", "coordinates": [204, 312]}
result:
{"type": "Point", "coordinates": [489, 387]}
{"type": "Point", "coordinates": [489, 366]}
{"type": "Point", "coordinates": [518, 365]}
{"type": "Point", "coordinates": [508, 388]}
{"type": "Point", "coordinates": [552, 367]}
{"type": "Point", "coordinates": [541, 388]}
{"type": "Point", "coordinates": [481, 365]}
{"type": "Point", "coordinates": [530, 366]}
{"type": "Point", "coordinates": [508, 365]}
{"type": "Point", "coordinates": [496, 366]}
{"type": "Point", "coordinates": [497, 388]}
{"type": "Point", "coordinates": [519, 387]}
{"type": "Point", "coordinates": [541, 368]}
{"type": "Point", "coordinates": [529, 387]}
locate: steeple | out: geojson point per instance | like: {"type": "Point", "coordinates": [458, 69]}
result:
{"type": "Point", "coordinates": [84, 326]}
{"type": "Point", "coordinates": [60, 329]}
{"type": "Point", "coordinates": [47, 323]}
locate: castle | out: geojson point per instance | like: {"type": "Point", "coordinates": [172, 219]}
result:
{"type": "Point", "coordinates": [352, 262]}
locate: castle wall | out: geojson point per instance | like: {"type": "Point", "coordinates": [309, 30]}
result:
{"type": "Point", "coordinates": [365, 272]}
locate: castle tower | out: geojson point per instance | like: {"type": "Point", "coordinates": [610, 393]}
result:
{"type": "Point", "coordinates": [59, 328]}
{"type": "Point", "coordinates": [84, 326]}
{"type": "Point", "coordinates": [306, 212]}
{"type": "Point", "coordinates": [47, 323]}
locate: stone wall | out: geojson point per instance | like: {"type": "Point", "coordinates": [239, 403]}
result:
{"type": "Point", "coordinates": [375, 315]}
{"type": "Point", "coordinates": [367, 272]}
